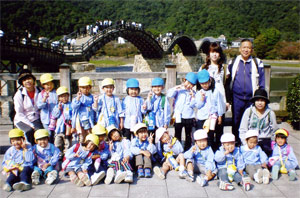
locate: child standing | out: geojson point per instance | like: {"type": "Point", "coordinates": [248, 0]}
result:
{"type": "Point", "coordinates": [119, 166]}
{"type": "Point", "coordinates": [63, 113]}
{"type": "Point", "coordinates": [47, 156]}
{"type": "Point", "coordinates": [183, 112]}
{"type": "Point", "coordinates": [142, 148]}
{"type": "Point", "coordinates": [255, 158]}
{"type": "Point", "coordinates": [132, 106]}
{"type": "Point", "coordinates": [200, 159]}
{"type": "Point", "coordinates": [283, 158]}
{"type": "Point", "coordinates": [261, 118]}
{"type": "Point", "coordinates": [79, 158]}
{"type": "Point", "coordinates": [47, 99]}
{"type": "Point", "coordinates": [210, 105]}
{"type": "Point", "coordinates": [82, 106]}
{"type": "Point", "coordinates": [108, 107]}
{"type": "Point", "coordinates": [230, 164]}
{"type": "Point", "coordinates": [170, 152]}
{"type": "Point", "coordinates": [157, 106]}
{"type": "Point", "coordinates": [98, 168]}
{"type": "Point", "coordinates": [18, 162]}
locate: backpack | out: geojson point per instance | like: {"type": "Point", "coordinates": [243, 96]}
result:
{"type": "Point", "coordinates": [228, 89]}
{"type": "Point", "coordinates": [288, 147]}
{"type": "Point", "coordinates": [12, 112]}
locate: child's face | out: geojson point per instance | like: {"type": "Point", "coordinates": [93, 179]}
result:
{"type": "Point", "coordinates": [108, 90]}
{"type": "Point", "coordinates": [63, 98]}
{"type": "Point", "coordinates": [205, 85]}
{"type": "Point", "coordinates": [28, 82]}
{"type": "Point", "coordinates": [17, 142]}
{"type": "Point", "coordinates": [165, 138]}
{"type": "Point", "coordinates": [229, 146]}
{"type": "Point", "coordinates": [115, 136]}
{"type": "Point", "coordinates": [90, 146]}
{"type": "Point", "coordinates": [260, 104]}
{"type": "Point", "coordinates": [43, 142]}
{"type": "Point", "coordinates": [133, 92]}
{"type": "Point", "coordinates": [252, 142]}
{"type": "Point", "coordinates": [85, 89]}
{"type": "Point", "coordinates": [202, 144]}
{"type": "Point", "coordinates": [280, 141]}
{"type": "Point", "coordinates": [187, 85]}
{"type": "Point", "coordinates": [142, 134]}
{"type": "Point", "coordinates": [101, 137]}
{"type": "Point", "coordinates": [157, 90]}
{"type": "Point", "coordinates": [48, 86]}
{"type": "Point", "coordinates": [214, 56]}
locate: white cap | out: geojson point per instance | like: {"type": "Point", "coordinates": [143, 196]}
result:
{"type": "Point", "coordinates": [227, 137]}
{"type": "Point", "coordinates": [200, 134]}
{"type": "Point", "coordinates": [138, 126]}
{"type": "Point", "coordinates": [251, 133]}
{"type": "Point", "coordinates": [159, 132]}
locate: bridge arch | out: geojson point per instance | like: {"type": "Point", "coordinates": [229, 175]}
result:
{"type": "Point", "coordinates": [186, 45]}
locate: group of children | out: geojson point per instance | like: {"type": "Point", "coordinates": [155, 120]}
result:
{"type": "Point", "coordinates": [106, 146]}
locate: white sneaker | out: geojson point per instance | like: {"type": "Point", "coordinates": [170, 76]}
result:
{"type": "Point", "coordinates": [120, 176]}
{"type": "Point", "coordinates": [246, 183]}
{"type": "Point", "coordinates": [202, 180]}
{"type": "Point", "coordinates": [258, 176]}
{"type": "Point", "coordinates": [183, 174]}
{"type": "Point", "coordinates": [6, 187]}
{"type": "Point", "coordinates": [35, 177]}
{"type": "Point", "coordinates": [96, 177]}
{"type": "Point", "coordinates": [109, 176]}
{"type": "Point", "coordinates": [266, 176]}
{"type": "Point", "coordinates": [129, 177]}
{"type": "Point", "coordinates": [51, 177]}
{"type": "Point", "coordinates": [21, 186]}
{"type": "Point", "coordinates": [157, 172]}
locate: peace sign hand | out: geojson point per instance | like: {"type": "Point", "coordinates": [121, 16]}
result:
{"type": "Point", "coordinates": [150, 138]}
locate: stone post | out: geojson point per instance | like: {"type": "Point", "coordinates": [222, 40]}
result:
{"type": "Point", "coordinates": [267, 69]}
{"type": "Point", "coordinates": [119, 86]}
{"type": "Point", "coordinates": [170, 69]}
{"type": "Point", "coordinates": [65, 77]}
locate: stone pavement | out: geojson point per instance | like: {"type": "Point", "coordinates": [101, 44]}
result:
{"type": "Point", "coordinates": [154, 187]}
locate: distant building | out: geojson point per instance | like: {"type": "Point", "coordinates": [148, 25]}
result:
{"type": "Point", "coordinates": [237, 43]}
{"type": "Point", "coordinates": [205, 42]}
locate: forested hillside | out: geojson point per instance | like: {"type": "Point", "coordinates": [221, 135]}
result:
{"type": "Point", "coordinates": [247, 18]}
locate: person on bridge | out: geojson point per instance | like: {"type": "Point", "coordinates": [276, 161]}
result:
{"type": "Point", "coordinates": [244, 75]}
{"type": "Point", "coordinates": [27, 116]}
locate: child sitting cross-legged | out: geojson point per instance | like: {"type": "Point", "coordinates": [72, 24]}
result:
{"type": "Point", "coordinates": [143, 148]}
{"type": "Point", "coordinates": [170, 152]}
{"type": "Point", "coordinates": [200, 159]}
{"type": "Point", "coordinates": [18, 162]}
{"type": "Point", "coordinates": [230, 164]}
{"type": "Point", "coordinates": [255, 158]}
{"type": "Point", "coordinates": [47, 156]}
{"type": "Point", "coordinates": [78, 159]}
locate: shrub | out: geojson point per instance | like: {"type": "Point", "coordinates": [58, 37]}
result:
{"type": "Point", "coordinates": [293, 101]}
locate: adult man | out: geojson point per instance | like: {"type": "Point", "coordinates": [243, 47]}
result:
{"type": "Point", "coordinates": [245, 74]}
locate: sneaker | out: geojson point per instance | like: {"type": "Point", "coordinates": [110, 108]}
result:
{"type": "Point", "coordinates": [190, 177]}
{"type": "Point", "coordinates": [96, 177]}
{"type": "Point", "coordinates": [51, 177]}
{"type": "Point", "coordinates": [21, 186]}
{"type": "Point", "coordinates": [292, 175]}
{"type": "Point", "coordinates": [147, 172]}
{"type": "Point", "coordinates": [129, 177]}
{"type": "Point", "coordinates": [85, 179]}
{"type": "Point", "coordinates": [202, 180]}
{"type": "Point", "coordinates": [35, 177]}
{"type": "Point", "coordinates": [266, 176]}
{"type": "Point", "coordinates": [246, 183]}
{"type": "Point", "coordinates": [109, 176]}
{"type": "Point", "coordinates": [258, 176]}
{"type": "Point", "coordinates": [275, 171]}
{"type": "Point", "coordinates": [183, 174]}
{"type": "Point", "coordinates": [74, 179]}
{"type": "Point", "coordinates": [225, 186]}
{"type": "Point", "coordinates": [6, 187]}
{"type": "Point", "coordinates": [120, 176]}
{"type": "Point", "coordinates": [140, 173]}
{"type": "Point", "coordinates": [157, 172]}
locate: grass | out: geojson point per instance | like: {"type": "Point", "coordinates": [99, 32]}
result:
{"type": "Point", "coordinates": [107, 63]}
{"type": "Point", "coordinates": [285, 64]}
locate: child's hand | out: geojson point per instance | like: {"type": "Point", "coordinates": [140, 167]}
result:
{"type": "Point", "coordinates": [60, 105]}
{"type": "Point", "coordinates": [126, 159]}
{"type": "Point", "coordinates": [111, 145]}
{"type": "Point", "coordinates": [121, 124]}
{"type": "Point", "coordinates": [46, 96]}
{"type": "Point", "coordinates": [23, 144]}
{"type": "Point", "coordinates": [170, 144]}
{"type": "Point", "coordinates": [73, 130]}
{"type": "Point", "coordinates": [178, 87]}
{"type": "Point", "coordinates": [226, 152]}
{"type": "Point", "coordinates": [166, 126]}
{"type": "Point", "coordinates": [146, 153]}
{"type": "Point", "coordinates": [202, 93]}
{"type": "Point", "coordinates": [45, 166]}
{"type": "Point", "coordinates": [144, 106]}
{"type": "Point", "coordinates": [264, 165]}
{"type": "Point", "coordinates": [192, 93]}
{"type": "Point", "coordinates": [150, 138]}
{"type": "Point", "coordinates": [85, 171]}
{"type": "Point", "coordinates": [150, 94]}
{"type": "Point", "coordinates": [95, 157]}
{"type": "Point", "coordinates": [77, 154]}
{"type": "Point", "coordinates": [194, 149]}
{"type": "Point", "coordinates": [96, 97]}
{"type": "Point", "coordinates": [219, 120]}
{"type": "Point", "coordinates": [79, 94]}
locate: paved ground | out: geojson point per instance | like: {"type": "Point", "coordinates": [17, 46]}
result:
{"type": "Point", "coordinates": [154, 187]}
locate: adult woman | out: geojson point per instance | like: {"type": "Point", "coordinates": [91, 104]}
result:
{"type": "Point", "coordinates": [27, 116]}
{"type": "Point", "coordinates": [214, 65]}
